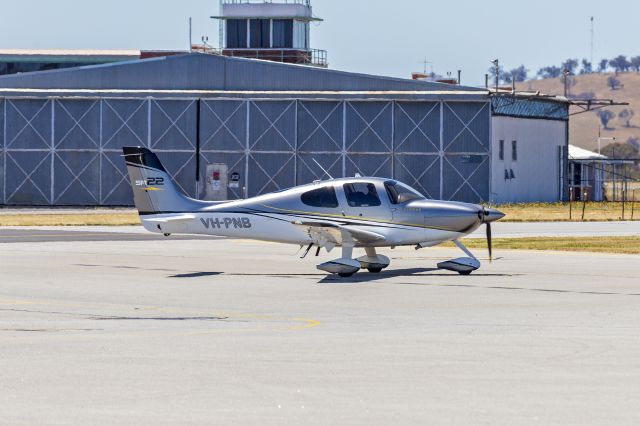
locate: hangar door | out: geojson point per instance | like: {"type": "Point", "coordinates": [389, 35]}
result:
{"type": "Point", "coordinates": [59, 151]}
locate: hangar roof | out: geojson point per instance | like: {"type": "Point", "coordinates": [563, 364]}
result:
{"type": "Point", "coordinates": [198, 71]}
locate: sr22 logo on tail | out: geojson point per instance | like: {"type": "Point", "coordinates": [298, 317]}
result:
{"type": "Point", "coordinates": [152, 181]}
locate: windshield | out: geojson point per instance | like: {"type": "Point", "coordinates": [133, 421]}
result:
{"type": "Point", "coordinates": [400, 193]}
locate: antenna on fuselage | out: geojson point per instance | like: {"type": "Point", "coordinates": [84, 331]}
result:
{"type": "Point", "coordinates": [322, 168]}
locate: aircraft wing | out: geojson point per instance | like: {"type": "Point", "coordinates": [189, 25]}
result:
{"type": "Point", "coordinates": [328, 235]}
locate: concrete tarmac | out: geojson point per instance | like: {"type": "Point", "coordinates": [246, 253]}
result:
{"type": "Point", "coordinates": [227, 332]}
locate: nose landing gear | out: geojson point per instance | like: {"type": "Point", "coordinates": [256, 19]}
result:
{"type": "Point", "coordinates": [461, 265]}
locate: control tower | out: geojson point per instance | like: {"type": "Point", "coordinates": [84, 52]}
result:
{"type": "Point", "coordinates": [270, 30]}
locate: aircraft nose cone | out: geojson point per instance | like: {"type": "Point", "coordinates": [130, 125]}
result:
{"type": "Point", "coordinates": [491, 215]}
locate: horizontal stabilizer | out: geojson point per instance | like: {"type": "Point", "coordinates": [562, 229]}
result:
{"type": "Point", "coordinates": [172, 219]}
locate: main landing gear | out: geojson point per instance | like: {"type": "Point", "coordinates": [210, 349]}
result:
{"type": "Point", "coordinates": [346, 266]}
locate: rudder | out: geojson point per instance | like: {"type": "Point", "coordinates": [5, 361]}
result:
{"type": "Point", "coordinates": [153, 189]}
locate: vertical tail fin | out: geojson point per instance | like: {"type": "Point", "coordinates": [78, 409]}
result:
{"type": "Point", "coordinates": [153, 190]}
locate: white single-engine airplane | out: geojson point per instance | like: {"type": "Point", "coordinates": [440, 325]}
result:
{"type": "Point", "coordinates": [348, 213]}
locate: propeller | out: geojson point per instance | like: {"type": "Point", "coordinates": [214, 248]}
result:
{"type": "Point", "coordinates": [489, 243]}
{"type": "Point", "coordinates": [489, 215]}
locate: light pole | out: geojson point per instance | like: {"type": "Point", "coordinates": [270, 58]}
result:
{"type": "Point", "coordinates": [603, 139]}
{"type": "Point", "coordinates": [496, 64]}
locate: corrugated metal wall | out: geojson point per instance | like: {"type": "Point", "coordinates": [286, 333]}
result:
{"type": "Point", "coordinates": [57, 151]}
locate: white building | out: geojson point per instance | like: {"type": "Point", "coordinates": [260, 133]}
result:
{"type": "Point", "coordinates": [529, 145]}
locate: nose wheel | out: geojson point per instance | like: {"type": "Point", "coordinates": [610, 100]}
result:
{"type": "Point", "coordinates": [461, 265]}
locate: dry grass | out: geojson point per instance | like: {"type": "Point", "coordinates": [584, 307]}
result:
{"type": "Point", "coordinates": [620, 245]}
{"type": "Point", "coordinates": [583, 128]}
{"type": "Point", "coordinates": [107, 219]}
{"type": "Point", "coordinates": [559, 212]}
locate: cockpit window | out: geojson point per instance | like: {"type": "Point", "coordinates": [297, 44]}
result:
{"type": "Point", "coordinates": [361, 194]}
{"type": "Point", "coordinates": [400, 193]}
{"type": "Point", "coordinates": [321, 197]}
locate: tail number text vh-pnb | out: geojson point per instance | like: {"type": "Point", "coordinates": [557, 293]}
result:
{"type": "Point", "coordinates": [227, 222]}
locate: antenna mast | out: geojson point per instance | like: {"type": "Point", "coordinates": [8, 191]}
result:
{"type": "Point", "coordinates": [322, 168]}
{"type": "Point", "coordinates": [190, 36]}
{"type": "Point", "coordinates": [592, 41]}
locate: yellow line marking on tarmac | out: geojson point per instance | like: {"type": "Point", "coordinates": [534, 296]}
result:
{"type": "Point", "coordinates": [310, 323]}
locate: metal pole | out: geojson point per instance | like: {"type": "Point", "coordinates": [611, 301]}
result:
{"type": "Point", "coordinates": [190, 36]}
{"type": "Point", "coordinates": [624, 189]}
{"type": "Point", "coordinates": [633, 203]}
{"type": "Point", "coordinates": [584, 203]}
{"type": "Point", "coordinates": [592, 31]}
{"type": "Point", "coordinates": [570, 202]}
{"type": "Point", "coordinates": [198, 148]}
{"type": "Point", "coordinates": [459, 74]}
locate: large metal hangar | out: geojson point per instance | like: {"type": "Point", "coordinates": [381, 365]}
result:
{"type": "Point", "coordinates": [62, 131]}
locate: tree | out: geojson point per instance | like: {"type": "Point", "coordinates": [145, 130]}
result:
{"type": "Point", "coordinates": [626, 115]}
{"type": "Point", "coordinates": [568, 81]}
{"type": "Point", "coordinates": [620, 64]}
{"type": "Point", "coordinates": [603, 65]}
{"type": "Point", "coordinates": [620, 150]}
{"type": "Point", "coordinates": [605, 116]}
{"type": "Point", "coordinates": [635, 63]}
{"type": "Point", "coordinates": [519, 74]}
{"type": "Point", "coordinates": [505, 77]}
{"type": "Point", "coordinates": [613, 83]}
{"type": "Point", "coordinates": [587, 68]}
{"type": "Point", "coordinates": [570, 65]}
{"type": "Point", "coordinates": [584, 96]}
{"type": "Point", "coordinates": [550, 72]}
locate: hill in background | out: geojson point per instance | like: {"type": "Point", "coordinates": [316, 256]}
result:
{"type": "Point", "coordinates": [583, 128]}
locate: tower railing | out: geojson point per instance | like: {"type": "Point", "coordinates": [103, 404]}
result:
{"type": "Point", "coordinates": [302, 2]}
{"type": "Point", "coordinates": [315, 57]}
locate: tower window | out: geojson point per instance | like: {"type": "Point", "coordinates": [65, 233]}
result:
{"type": "Point", "coordinates": [501, 150]}
{"type": "Point", "coordinates": [237, 33]}
{"type": "Point", "coordinates": [514, 150]}
{"type": "Point", "coordinates": [260, 34]}
{"type": "Point", "coordinates": [283, 33]}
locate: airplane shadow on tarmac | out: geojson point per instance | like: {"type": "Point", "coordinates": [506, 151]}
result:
{"type": "Point", "coordinates": [363, 277]}
{"type": "Point", "coordinates": [360, 277]}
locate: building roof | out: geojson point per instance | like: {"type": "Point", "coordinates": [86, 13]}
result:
{"type": "Point", "coordinates": [577, 153]}
{"type": "Point", "coordinates": [525, 105]}
{"type": "Point", "coordinates": [419, 95]}
{"type": "Point", "coordinates": [198, 71]}
{"type": "Point", "coordinates": [67, 55]}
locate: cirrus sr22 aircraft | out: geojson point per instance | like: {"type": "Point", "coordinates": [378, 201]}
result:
{"type": "Point", "coordinates": [349, 213]}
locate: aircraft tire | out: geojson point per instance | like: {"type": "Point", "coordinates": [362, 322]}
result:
{"type": "Point", "coordinates": [464, 272]}
{"type": "Point", "coordinates": [375, 270]}
{"type": "Point", "coordinates": [345, 274]}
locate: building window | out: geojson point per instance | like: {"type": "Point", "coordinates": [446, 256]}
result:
{"type": "Point", "coordinates": [361, 194]}
{"type": "Point", "coordinates": [260, 34]}
{"type": "Point", "coordinates": [236, 33]}
{"type": "Point", "coordinates": [300, 35]}
{"type": "Point", "coordinates": [514, 150]}
{"type": "Point", "coordinates": [283, 33]}
{"type": "Point", "coordinates": [321, 197]}
{"type": "Point", "coordinates": [501, 150]}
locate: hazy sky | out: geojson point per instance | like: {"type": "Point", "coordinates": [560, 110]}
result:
{"type": "Point", "coordinates": [374, 36]}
